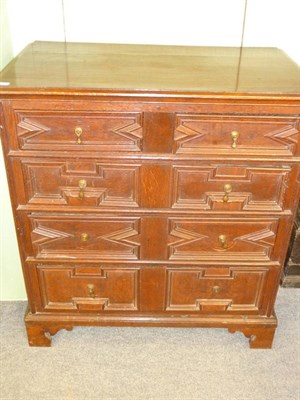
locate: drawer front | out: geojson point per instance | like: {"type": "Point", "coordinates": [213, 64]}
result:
{"type": "Point", "coordinates": [149, 184]}
{"type": "Point", "coordinates": [188, 239]}
{"type": "Point", "coordinates": [232, 188]}
{"type": "Point", "coordinates": [88, 289]}
{"type": "Point", "coordinates": [80, 184]}
{"type": "Point", "coordinates": [109, 289]}
{"type": "Point", "coordinates": [230, 239]}
{"type": "Point", "coordinates": [236, 135]}
{"type": "Point", "coordinates": [77, 131]}
{"type": "Point", "coordinates": [83, 237]}
{"type": "Point", "coordinates": [218, 290]}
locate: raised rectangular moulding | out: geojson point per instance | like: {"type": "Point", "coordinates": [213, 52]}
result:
{"type": "Point", "coordinates": [75, 237]}
{"type": "Point", "coordinates": [226, 239]}
{"type": "Point", "coordinates": [72, 183]}
{"type": "Point", "coordinates": [230, 290]}
{"type": "Point", "coordinates": [230, 188]}
{"type": "Point", "coordinates": [250, 135]}
{"type": "Point", "coordinates": [77, 131]}
{"type": "Point", "coordinates": [90, 289]}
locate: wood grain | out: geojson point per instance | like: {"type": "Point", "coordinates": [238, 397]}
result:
{"type": "Point", "coordinates": [153, 67]}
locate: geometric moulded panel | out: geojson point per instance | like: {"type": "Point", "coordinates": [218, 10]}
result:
{"type": "Point", "coordinates": [52, 131]}
{"type": "Point", "coordinates": [88, 289]}
{"type": "Point", "coordinates": [82, 237]}
{"type": "Point", "coordinates": [221, 290]}
{"type": "Point", "coordinates": [221, 239]}
{"type": "Point", "coordinates": [230, 188]}
{"type": "Point", "coordinates": [208, 134]}
{"type": "Point", "coordinates": [83, 184]}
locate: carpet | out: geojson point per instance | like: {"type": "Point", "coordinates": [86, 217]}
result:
{"type": "Point", "coordinates": [151, 363]}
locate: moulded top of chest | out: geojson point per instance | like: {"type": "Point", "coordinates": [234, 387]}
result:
{"type": "Point", "coordinates": [150, 68]}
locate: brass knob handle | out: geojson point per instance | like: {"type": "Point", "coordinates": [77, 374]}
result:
{"type": "Point", "coordinates": [216, 289]}
{"type": "Point", "coordinates": [223, 241]}
{"type": "Point", "coordinates": [91, 290]}
{"type": "Point", "coordinates": [234, 136]}
{"type": "Point", "coordinates": [227, 190]}
{"type": "Point", "coordinates": [78, 132]}
{"type": "Point", "coordinates": [84, 237]}
{"type": "Point", "coordinates": [82, 185]}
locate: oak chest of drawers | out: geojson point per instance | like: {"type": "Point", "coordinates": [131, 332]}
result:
{"type": "Point", "coordinates": [151, 185]}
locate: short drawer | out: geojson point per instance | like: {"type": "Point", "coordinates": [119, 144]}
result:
{"type": "Point", "coordinates": [83, 237]}
{"type": "Point", "coordinates": [237, 135]}
{"type": "Point", "coordinates": [79, 131]}
{"type": "Point", "coordinates": [230, 188]}
{"type": "Point", "coordinates": [219, 289]}
{"type": "Point", "coordinates": [87, 288]}
{"type": "Point", "coordinates": [226, 239]}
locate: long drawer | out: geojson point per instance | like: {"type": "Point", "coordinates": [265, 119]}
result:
{"type": "Point", "coordinates": [198, 186]}
{"type": "Point", "coordinates": [124, 128]}
{"type": "Point", "coordinates": [153, 238]}
{"type": "Point", "coordinates": [124, 289]}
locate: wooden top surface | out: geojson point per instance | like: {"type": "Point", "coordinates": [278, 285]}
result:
{"type": "Point", "coordinates": [153, 68]}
